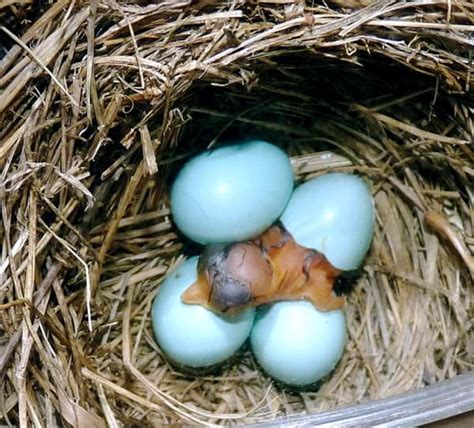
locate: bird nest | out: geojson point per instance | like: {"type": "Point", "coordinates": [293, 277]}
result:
{"type": "Point", "coordinates": [101, 103]}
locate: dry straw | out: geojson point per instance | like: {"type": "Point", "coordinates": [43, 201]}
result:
{"type": "Point", "coordinates": [100, 102]}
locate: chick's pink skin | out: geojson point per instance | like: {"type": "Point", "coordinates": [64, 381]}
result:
{"type": "Point", "coordinates": [228, 276]}
{"type": "Point", "coordinates": [270, 268]}
{"type": "Point", "coordinates": [299, 272]}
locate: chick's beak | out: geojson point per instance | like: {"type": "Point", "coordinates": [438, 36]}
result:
{"type": "Point", "coordinates": [198, 293]}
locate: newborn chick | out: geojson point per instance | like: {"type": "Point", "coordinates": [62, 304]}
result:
{"type": "Point", "coordinates": [228, 275]}
{"type": "Point", "coordinates": [272, 267]}
{"type": "Point", "coordinates": [299, 272]}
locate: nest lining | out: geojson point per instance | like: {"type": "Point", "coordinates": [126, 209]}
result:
{"type": "Point", "coordinates": [102, 103]}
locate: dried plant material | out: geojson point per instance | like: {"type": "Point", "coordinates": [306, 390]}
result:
{"type": "Point", "coordinates": [41, 57]}
{"type": "Point", "coordinates": [39, 62]}
{"type": "Point", "coordinates": [440, 225]}
{"type": "Point", "coordinates": [148, 151]}
{"type": "Point", "coordinates": [100, 104]}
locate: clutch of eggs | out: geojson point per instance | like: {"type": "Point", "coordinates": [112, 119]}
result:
{"type": "Point", "coordinates": [234, 193]}
{"type": "Point", "coordinates": [231, 193]}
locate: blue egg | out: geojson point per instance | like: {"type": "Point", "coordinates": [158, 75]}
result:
{"type": "Point", "coordinates": [297, 344]}
{"type": "Point", "coordinates": [231, 193]}
{"type": "Point", "coordinates": [333, 214]}
{"type": "Point", "coordinates": [191, 335]}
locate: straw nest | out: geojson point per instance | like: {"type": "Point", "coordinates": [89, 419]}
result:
{"type": "Point", "coordinates": [100, 104]}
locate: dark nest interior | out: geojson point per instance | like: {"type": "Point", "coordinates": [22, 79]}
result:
{"type": "Point", "coordinates": [100, 104]}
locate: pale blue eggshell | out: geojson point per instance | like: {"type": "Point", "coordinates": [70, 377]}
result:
{"type": "Point", "coordinates": [333, 214]}
{"type": "Point", "coordinates": [297, 344]}
{"type": "Point", "coordinates": [231, 193]}
{"type": "Point", "coordinates": [191, 335]}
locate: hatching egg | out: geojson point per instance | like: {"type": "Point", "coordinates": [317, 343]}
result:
{"type": "Point", "coordinates": [191, 335]}
{"type": "Point", "coordinates": [231, 193]}
{"type": "Point", "coordinates": [297, 344]}
{"type": "Point", "coordinates": [333, 214]}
